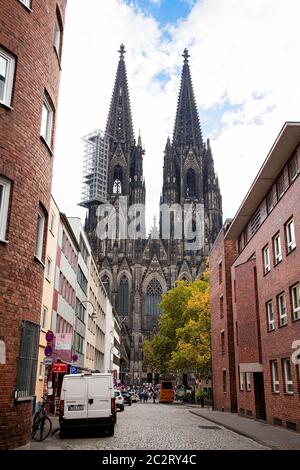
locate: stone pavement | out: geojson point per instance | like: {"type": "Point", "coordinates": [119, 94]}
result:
{"type": "Point", "coordinates": [271, 436]}
{"type": "Point", "coordinates": [52, 442]}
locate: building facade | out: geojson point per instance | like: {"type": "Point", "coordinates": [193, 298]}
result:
{"type": "Point", "coordinates": [256, 345]}
{"type": "Point", "coordinates": [137, 270]}
{"type": "Point", "coordinates": [47, 300]}
{"type": "Point", "coordinates": [29, 84]}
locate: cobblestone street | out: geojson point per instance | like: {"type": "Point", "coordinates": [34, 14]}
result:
{"type": "Point", "coordinates": [156, 426]}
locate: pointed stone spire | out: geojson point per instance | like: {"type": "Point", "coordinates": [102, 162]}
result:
{"type": "Point", "coordinates": [119, 123]}
{"type": "Point", "coordinates": [139, 139]}
{"type": "Point", "coordinates": [187, 130]}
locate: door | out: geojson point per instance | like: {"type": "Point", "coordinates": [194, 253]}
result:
{"type": "Point", "coordinates": [74, 392]}
{"type": "Point", "coordinates": [259, 391]}
{"type": "Point", "coordinates": [99, 396]}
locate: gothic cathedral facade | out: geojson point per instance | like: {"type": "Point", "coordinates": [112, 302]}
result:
{"type": "Point", "coordinates": [137, 271]}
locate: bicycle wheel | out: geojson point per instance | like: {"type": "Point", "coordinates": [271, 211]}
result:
{"type": "Point", "coordinates": [42, 430]}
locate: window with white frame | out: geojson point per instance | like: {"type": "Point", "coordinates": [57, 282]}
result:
{"type": "Point", "coordinates": [40, 234]}
{"type": "Point", "coordinates": [5, 186]}
{"type": "Point", "coordinates": [47, 121]}
{"type": "Point", "coordinates": [282, 309]}
{"type": "Point", "coordinates": [267, 264]}
{"type": "Point", "coordinates": [7, 72]}
{"type": "Point", "coordinates": [57, 35]}
{"type": "Point", "coordinates": [44, 316]}
{"type": "Point", "coordinates": [41, 371]}
{"type": "Point", "coordinates": [270, 316]}
{"type": "Point", "coordinates": [288, 382]}
{"type": "Point", "coordinates": [48, 267]}
{"type": "Point", "coordinates": [277, 249]}
{"type": "Point", "coordinates": [27, 3]}
{"type": "Point", "coordinates": [290, 235]}
{"type": "Point", "coordinates": [275, 377]}
{"type": "Point", "coordinates": [296, 302]}
{"type": "Point", "coordinates": [248, 381]}
{"type": "Point", "coordinates": [241, 381]}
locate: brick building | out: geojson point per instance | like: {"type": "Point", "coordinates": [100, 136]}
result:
{"type": "Point", "coordinates": [31, 34]}
{"type": "Point", "coordinates": [255, 294]}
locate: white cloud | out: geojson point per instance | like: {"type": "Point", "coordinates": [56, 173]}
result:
{"type": "Point", "coordinates": [242, 53]}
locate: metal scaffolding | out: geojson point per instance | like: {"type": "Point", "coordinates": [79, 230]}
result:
{"type": "Point", "coordinates": [95, 168]}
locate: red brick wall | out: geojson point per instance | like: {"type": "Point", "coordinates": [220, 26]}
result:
{"type": "Point", "coordinates": [277, 344]}
{"type": "Point", "coordinates": [26, 160]}
{"type": "Point", "coordinates": [224, 253]}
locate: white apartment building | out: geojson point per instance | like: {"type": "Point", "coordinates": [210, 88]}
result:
{"type": "Point", "coordinates": [83, 308]}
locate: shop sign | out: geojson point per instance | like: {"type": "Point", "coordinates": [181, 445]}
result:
{"type": "Point", "coordinates": [59, 367]}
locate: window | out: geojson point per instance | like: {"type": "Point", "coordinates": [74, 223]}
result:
{"type": "Point", "coordinates": [48, 268]}
{"type": "Point", "coordinates": [266, 255]}
{"type": "Point", "coordinates": [44, 315]}
{"type": "Point", "coordinates": [7, 72]}
{"type": "Point", "coordinates": [222, 342]}
{"type": "Point", "coordinates": [275, 378]}
{"type": "Point", "coordinates": [123, 297]}
{"type": "Point", "coordinates": [281, 302]}
{"type": "Point", "coordinates": [221, 306]}
{"type": "Point", "coordinates": [290, 236]}
{"type": "Point", "coordinates": [81, 279]}
{"type": "Point", "coordinates": [52, 222]}
{"type": "Point", "coordinates": [27, 363]}
{"type": "Point", "coordinates": [191, 183]}
{"type": "Point", "coordinates": [277, 249]}
{"type": "Point", "coordinates": [241, 381]}
{"type": "Point", "coordinates": [57, 35]}
{"type": "Point", "coordinates": [47, 121]}
{"type": "Point", "coordinates": [41, 371]}
{"type": "Point", "coordinates": [40, 234]}
{"type": "Point", "coordinates": [220, 272]}
{"type": "Point", "coordinates": [154, 293]}
{"type": "Point", "coordinates": [83, 250]}
{"type": "Point", "coordinates": [80, 310]}
{"type": "Point", "coordinates": [293, 168]}
{"type": "Point", "coordinates": [248, 381]}
{"type": "Point", "coordinates": [288, 383]}
{"type": "Point", "coordinates": [224, 381]}
{"type": "Point", "coordinates": [79, 343]}
{"type": "Point", "coordinates": [280, 186]}
{"type": "Point", "coordinates": [271, 201]}
{"type": "Point", "coordinates": [4, 203]}
{"type": "Point", "coordinates": [255, 222]}
{"type": "Point", "coordinates": [27, 3]}
{"type": "Point", "coordinates": [296, 302]}
{"type": "Point", "coordinates": [270, 316]}
{"type": "Point", "coordinates": [106, 284]}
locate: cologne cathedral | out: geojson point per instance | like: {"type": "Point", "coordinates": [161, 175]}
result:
{"type": "Point", "coordinates": [136, 271]}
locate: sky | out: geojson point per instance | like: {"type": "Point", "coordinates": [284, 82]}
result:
{"type": "Point", "coordinates": [245, 70]}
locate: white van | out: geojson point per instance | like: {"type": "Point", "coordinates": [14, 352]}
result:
{"type": "Point", "coordinates": [87, 400]}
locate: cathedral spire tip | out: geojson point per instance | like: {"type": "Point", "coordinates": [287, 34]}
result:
{"type": "Point", "coordinates": [186, 56]}
{"type": "Point", "coordinates": [122, 51]}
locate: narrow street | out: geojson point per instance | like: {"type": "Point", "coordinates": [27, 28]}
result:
{"type": "Point", "coordinates": [157, 426]}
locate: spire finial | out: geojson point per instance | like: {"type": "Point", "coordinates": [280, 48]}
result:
{"type": "Point", "coordinates": [186, 56]}
{"type": "Point", "coordinates": [139, 139]}
{"type": "Point", "coordinates": [122, 51]}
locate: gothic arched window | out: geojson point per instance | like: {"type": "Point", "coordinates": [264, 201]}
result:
{"type": "Point", "coordinates": [106, 284]}
{"type": "Point", "coordinates": [154, 293]}
{"type": "Point", "coordinates": [118, 179]}
{"type": "Point", "coordinates": [191, 183]}
{"type": "Point", "coordinates": [123, 297]}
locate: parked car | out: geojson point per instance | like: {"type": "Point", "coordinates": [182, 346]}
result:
{"type": "Point", "coordinates": [119, 400]}
{"type": "Point", "coordinates": [127, 398]}
{"type": "Point", "coordinates": [87, 400]}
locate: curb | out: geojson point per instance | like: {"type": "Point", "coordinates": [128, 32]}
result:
{"type": "Point", "coordinates": [237, 431]}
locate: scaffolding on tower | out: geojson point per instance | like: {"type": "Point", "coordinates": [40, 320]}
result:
{"type": "Point", "coordinates": [95, 169]}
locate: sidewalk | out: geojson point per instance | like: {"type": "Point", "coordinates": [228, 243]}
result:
{"type": "Point", "coordinates": [270, 436]}
{"type": "Point", "coordinates": [51, 443]}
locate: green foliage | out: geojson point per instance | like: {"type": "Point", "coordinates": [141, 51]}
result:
{"type": "Point", "coordinates": [182, 343]}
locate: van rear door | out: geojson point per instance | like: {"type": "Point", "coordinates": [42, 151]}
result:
{"type": "Point", "coordinates": [75, 397]}
{"type": "Point", "coordinates": [99, 396]}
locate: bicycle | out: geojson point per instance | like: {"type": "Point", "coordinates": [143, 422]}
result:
{"type": "Point", "coordinates": [42, 424]}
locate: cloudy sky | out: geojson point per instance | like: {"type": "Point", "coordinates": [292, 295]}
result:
{"type": "Point", "coordinates": [245, 69]}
